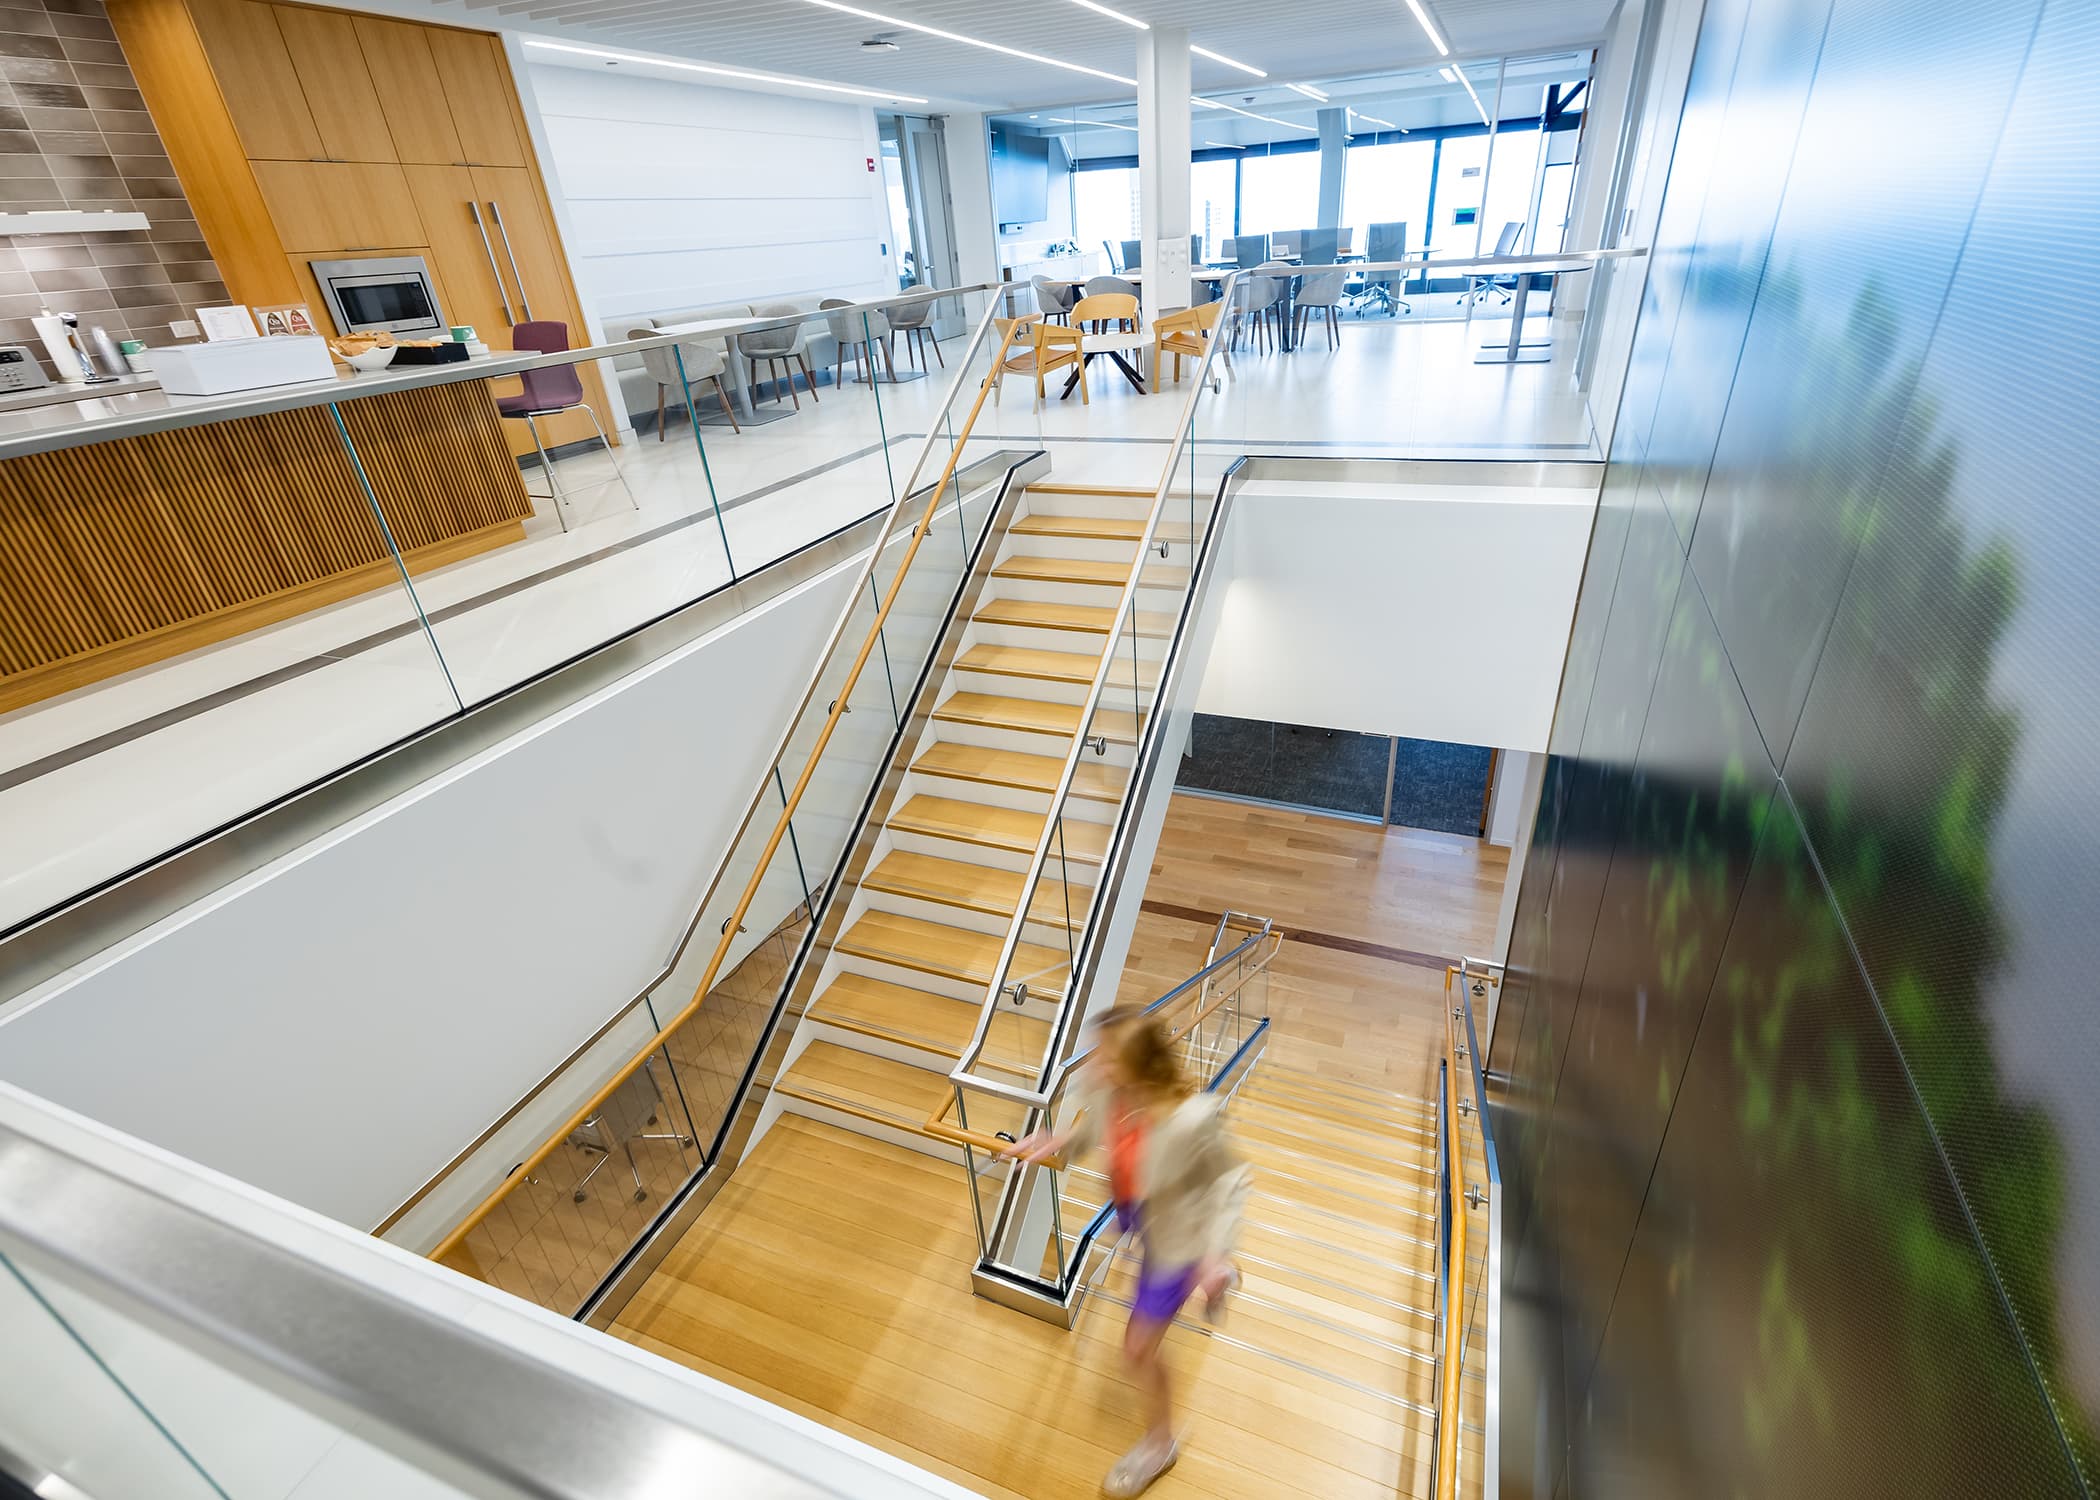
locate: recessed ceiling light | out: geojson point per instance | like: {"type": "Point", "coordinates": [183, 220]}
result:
{"type": "Point", "coordinates": [1222, 145]}
{"type": "Point", "coordinates": [1458, 76]}
{"type": "Point", "coordinates": [1219, 57]}
{"type": "Point", "coordinates": [1423, 16]}
{"type": "Point", "coordinates": [968, 41]}
{"type": "Point", "coordinates": [1114, 15]}
{"type": "Point", "coordinates": [1307, 90]}
{"type": "Point", "coordinates": [693, 67]}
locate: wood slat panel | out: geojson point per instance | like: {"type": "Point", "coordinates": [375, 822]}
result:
{"type": "Point", "coordinates": [122, 553]}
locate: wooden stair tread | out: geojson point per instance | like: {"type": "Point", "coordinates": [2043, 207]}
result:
{"type": "Point", "coordinates": [860, 1002]}
{"type": "Point", "coordinates": [958, 953]}
{"type": "Point", "coordinates": [1093, 619]}
{"type": "Point", "coordinates": [1097, 528]}
{"type": "Point", "coordinates": [1034, 716]}
{"type": "Point", "coordinates": [1087, 571]}
{"type": "Point", "coordinates": [1073, 667]}
{"type": "Point", "coordinates": [1006, 828]}
{"type": "Point", "coordinates": [980, 888]}
{"type": "Point", "coordinates": [878, 1088]}
{"type": "Point", "coordinates": [1095, 780]}
{"type": "Point", "coordinates": [1119, 491]}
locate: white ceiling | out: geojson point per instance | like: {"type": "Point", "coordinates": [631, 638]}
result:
{"type": "Point", "coordinates": [1304, 41]}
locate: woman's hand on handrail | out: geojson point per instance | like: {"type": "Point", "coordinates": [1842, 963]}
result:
{"type": "Point", "coordinates": [1037, 1146]}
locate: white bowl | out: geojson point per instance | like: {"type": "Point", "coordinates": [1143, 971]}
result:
{"type": "Point", "coordinates": [372, 359]}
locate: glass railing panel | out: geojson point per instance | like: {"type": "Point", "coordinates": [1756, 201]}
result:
{"type": "Point", "coordinates": [711, 1009]}
{"type": "Point", "coordinates": [71, 1422]}
{"type": "Point", "coordinates": [147, 650]}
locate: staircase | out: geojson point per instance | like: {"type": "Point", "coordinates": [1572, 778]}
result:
{"type": "Point", "coordinates": [1337, 1256]}
{"type": "Point", "coordinates": [900, 993]}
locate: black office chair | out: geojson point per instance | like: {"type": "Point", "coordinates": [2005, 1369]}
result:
{"type": "Point", "coordinates": [1133, 255]}
{"type": "Point", "coordinates": [1500, 286]}
{"type": "Point", "coordinates": [1250, 250]}
{"type": "Point", "coordinates": [1319, 247]}
{"type": "Point", "coordinates": [1386, 242]}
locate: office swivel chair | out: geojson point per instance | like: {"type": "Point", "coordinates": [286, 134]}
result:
{"type": "Point", "coordinates": [1133, 255]}
{"type": "Point", "coordinates": [1499, 286]}
{"type": "Point", "coordinates": [1386, 242]}
{"type": "Point", "coordinates": [1283, 244]}
{"type": "Point", "coordinates": [1319, 247]}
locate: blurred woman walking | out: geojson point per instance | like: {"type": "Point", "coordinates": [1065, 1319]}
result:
{"type": "Point", "coordinates": [1176, 1182]}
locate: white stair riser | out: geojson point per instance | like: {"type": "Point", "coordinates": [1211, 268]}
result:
{"type": "Point", "coordinates": [1094, 549]}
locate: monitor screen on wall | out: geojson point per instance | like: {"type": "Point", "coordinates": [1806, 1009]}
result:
{"type": "Point", "coordinates": [1020, 176]}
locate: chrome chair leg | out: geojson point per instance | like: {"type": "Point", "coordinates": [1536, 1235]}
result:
{"type": "Point", "coordinates": [554, 495]}
{"type": "Point", "coordinates": [606, 442]}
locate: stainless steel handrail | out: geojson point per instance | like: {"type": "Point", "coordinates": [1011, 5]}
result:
{"type": "Point", "coordinates": [460, 1383]}
{"type": "Point", "coordinates": [962, 1074]}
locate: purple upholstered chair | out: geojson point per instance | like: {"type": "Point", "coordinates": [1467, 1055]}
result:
{"type": "Point", "coordinates": [549, 391]}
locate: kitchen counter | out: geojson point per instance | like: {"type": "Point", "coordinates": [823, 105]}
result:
{"type": "Point", "coordinates": [80, 415]}
{"type": "Point", "coordinates": [56, 394]}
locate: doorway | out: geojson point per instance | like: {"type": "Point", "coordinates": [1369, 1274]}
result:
{"type": "Point", "coordinates": [922, 219]}
{"type": "Point", "coordinates": [1429, 784]}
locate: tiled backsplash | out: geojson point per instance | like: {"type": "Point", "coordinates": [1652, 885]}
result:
{"type": "Point", "coordinates": [74, 133]}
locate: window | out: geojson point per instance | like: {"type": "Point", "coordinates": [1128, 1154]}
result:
{"type": "Point", "coordinates": [1105, 206]}
{"type": "Point", "coordinates": [1509, 189]}
{"type": "Point", "coordinates": [1213, 203]}
{"type": "Point", "coordinates": [1279, 192]}
{"type": "Point", "coordinates": [1386, 184]}
{"type": "Point", "coordinates": [1461, 175]}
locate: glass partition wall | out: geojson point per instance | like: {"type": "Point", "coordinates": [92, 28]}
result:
{"type": "Point", "coordinates": [1436, 163]}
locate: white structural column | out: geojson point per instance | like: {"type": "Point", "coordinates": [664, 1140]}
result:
{"type": "Point", "coordinates": [1163, 166]}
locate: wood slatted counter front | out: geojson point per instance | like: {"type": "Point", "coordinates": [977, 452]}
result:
{"type": "Point", "coordinates": [131, 550]}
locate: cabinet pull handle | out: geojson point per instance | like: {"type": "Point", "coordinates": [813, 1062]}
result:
{"type": "Point", "coordinates": [490, 251]}
{"type": "Point", "coordinates": [524, 297]}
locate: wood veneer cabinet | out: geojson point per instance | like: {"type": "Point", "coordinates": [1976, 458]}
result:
{"type": "Point", "coordinates": [306, 134]}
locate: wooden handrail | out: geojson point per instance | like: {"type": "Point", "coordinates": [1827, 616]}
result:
{"type": "Point", "coordinates": [1455, 1278]}
{"type": "Point", "coordinates": [457, 1238]}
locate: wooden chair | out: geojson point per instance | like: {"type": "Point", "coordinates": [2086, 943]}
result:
{"type": "Point", "coordinates": [1184, 333]}
{"type": "Point", "coordinates": [1028, 346]}
{"type": "Point", "coordinates": [1119, 308]}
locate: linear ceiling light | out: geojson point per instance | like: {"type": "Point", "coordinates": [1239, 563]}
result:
{"type": "Point", "coordinates": [1203, 103]}
{"type": "Point", "coordinates": [969, 41]}
{"type": "Point", "coordinates": [1114, 15]}
{"type": "Point", "coordinates": [1374, 120]}
{"type": "Point", "coordinates": [1307, 90]}
{"type": "Point", "coordinates": [1423, 16]}
{"type": "Point", "coordinates": [1219, 57]}
{"type": "Point", "coordinates": [1102, 124]}
{"type": "Point", "coordinates": [693, 67]}
{"type": "Point", "coordinates": [1458, 75]}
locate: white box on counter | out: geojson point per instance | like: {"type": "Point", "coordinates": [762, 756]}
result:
{"type": "Point", "coordinates": [241, 365]}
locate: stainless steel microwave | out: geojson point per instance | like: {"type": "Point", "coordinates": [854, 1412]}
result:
{"type": "Point", "coordinates": [380, 295]}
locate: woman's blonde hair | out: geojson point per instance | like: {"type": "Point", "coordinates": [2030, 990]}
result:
{"type": "Point", "coordinates": [1141, 1045]}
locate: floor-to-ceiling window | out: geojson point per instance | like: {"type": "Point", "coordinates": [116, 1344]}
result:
{"type": "Point", "coordinates": [1279, 190]}
{"type": "Point", "coordinates": [1105, 205]}
{"type": "Point", "coordinates": [1388, 183]}
{"type": "Point", "coordinates": [1214, 199]}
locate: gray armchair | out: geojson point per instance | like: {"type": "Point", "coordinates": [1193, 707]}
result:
{"type": "Point", "coordinates": [861, 329]}
{"type": "Point", "coordinates": [1318, 293]}
{"type": "Point", "coordinates": [700, 361]}
{"type": "Point", "coordinates": [780, 348]}
{"type": "Point", "coordinates": [911, 320]}
{"type": "Point", "coordinates": [1053, 299]}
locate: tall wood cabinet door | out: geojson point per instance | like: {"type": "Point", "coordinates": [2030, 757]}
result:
{"type": "Point", "coordinates": [338, 87]}
{"type": "Point", "coordinates": [445, 201]}
{"type": "Point", "coordinates": [478, 86]}
{"type": "Point", "coordinates": [256, 77]}
{"type": "Point", "coordinates": [411, 91]}
{"type": "Point", "coordinates": [324, 206]}
{"type": "Point", "coordinates": [527, 236]}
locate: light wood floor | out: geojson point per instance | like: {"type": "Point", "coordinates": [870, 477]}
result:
{"type": "Point", "coordinates": [831, 1274]}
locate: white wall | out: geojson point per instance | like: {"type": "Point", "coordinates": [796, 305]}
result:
{"type": "Point", "coordinates": [1433, 612]}
{"type": "Point", "coordinates": [677, 194]}
{"type": "Point", "coordinates": [336, 1026]}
